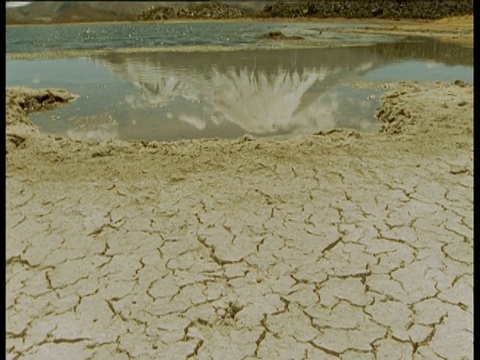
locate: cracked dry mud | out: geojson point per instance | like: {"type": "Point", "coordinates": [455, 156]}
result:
{"type": "Point", "coordinates": [335, 245]}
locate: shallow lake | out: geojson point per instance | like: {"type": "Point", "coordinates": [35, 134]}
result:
{"type": "Point", "coordinates": [217, 87]}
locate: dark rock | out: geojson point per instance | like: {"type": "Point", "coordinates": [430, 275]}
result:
{"type": "Point", "coordinates": [278, 35]}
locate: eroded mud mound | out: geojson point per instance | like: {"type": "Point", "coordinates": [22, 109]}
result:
{"type": "Point", "coordinates": [22, 101]}
{"type": "Point", "coordinates": [278, 35]}
{"type": "Point", "coordinates": [400, 113]}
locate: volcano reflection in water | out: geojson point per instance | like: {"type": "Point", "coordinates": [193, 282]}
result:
{"type": "Point", "coordinates": [264, 93]}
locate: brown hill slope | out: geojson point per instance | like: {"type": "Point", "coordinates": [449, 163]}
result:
{"type": "Point", "coordinates": [76, 11]}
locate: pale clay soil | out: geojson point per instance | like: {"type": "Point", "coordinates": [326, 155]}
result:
{"type": "Point", "coordinates": [337, 245]}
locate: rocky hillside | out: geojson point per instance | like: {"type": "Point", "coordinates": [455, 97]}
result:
{"type": "Point", "coordinates": [396, 9]}
{"type": "Point", "coordinates": [390, 9]}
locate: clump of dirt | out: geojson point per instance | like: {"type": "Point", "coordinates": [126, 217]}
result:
{"type": "Point", "coordinates": [402, 113]}
{"type": "Point", "coordinates": [22, 101]}
{"type": "Point", "coordinates": [30, 100]}
{"type": "Point", "coordinates": [278, 35]}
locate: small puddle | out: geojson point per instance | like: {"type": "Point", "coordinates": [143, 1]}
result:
{"type": "Point", "coordinates": [175, 95]}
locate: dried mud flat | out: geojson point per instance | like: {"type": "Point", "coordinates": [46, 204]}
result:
{"type": "Point", "coordinates": [454, 29]}
{"type": "Point", "coordinates": [334, 245]}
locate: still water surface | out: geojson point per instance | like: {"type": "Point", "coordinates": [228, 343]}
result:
{"type": "Point", "coordinates": [144, 35]}
{"type": "Point", "coordinates": [165, 95]}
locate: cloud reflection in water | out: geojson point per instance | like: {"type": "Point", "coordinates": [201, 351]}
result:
{"type": "Point", "coordinates": [102, 127]}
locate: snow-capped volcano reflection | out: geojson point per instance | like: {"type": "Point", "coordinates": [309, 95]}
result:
{"type": "Point", "coordinates": [161, 93]}
{"type": "Point", "coordinates": [256, 102]}
{"type": "Point", "coordinates": [256, 98]}
{"type": "Point", "coordinates": [259, 103]}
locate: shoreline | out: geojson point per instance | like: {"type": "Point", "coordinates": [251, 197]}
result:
{"type": "Point", "coordinates": [453, 29]}
{"type": "Point", "coordinates": [362, 243]}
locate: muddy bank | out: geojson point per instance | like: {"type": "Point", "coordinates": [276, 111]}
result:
{"type": "Point", "coordinates": [362, 244]}
{"type": "Point", "coordinates": [278, 35]}
{"type": "Point", "coordinates": [20, 102]}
